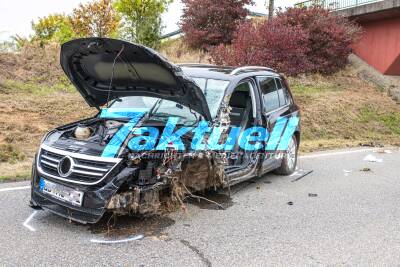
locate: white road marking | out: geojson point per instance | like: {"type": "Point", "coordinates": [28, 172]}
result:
{"type": "Point", "coordinates": [102, 241]}
{"type": "Point", "coordinates": [25, 224]}
{"type": "Point", "coordinates": [15, 188]}
{"type": "Point", "coordinates": [336, 153]}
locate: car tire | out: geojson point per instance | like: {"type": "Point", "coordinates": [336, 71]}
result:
{"type": "Point", "coordinates": [289, 160]}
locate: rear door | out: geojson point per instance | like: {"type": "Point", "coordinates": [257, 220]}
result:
{"type": "Point", "coordinates": [275, 110]}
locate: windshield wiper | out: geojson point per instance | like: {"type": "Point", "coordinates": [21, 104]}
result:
{"type": "Point", "coordinates": [167, 115]}
{"type": "Point", "coordinates": [153, 108]}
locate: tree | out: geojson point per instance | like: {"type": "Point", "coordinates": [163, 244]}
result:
{"type": "Point", "coordinates": [95, 19]}
{"type": "Point", "coordinates": [298, 40]}
{"type": "Point", "coordinates": [142, 20]}
{"type": "Point", "coordinates": [269, 44]}
{"type": "Point", "coordinates": [270, 9]}
{"type": "Point", "coordinates": [208, 23]}
{"type": "Point", "coordinates": [330, 36]}
{"type": "Point", "coordinates": [55, 27]}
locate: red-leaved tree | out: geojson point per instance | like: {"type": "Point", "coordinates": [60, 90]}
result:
{"type": "Point", "coordinates": [269, 44]}
{"type": "Point", "coordinates": [208, 23]}
{"type": "Point", "coordinates": [329, 36]}
{"type": "Point", "coordinates": [298, 40]}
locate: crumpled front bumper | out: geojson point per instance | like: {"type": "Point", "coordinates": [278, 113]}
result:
{"type": "Point", "coordinates": [95, 199]}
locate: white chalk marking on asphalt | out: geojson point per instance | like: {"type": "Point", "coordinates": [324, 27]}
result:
{"type": "Point", "coordinates": [336, 153]}
{"type": "Point", "coordinates": [28, 220]}
{"type": "Point", "coordinates": [14, 188]}
{"type": "Point", "coordinates": [346, 172]}
{"type": "Point", "coordinates": [102, 241]}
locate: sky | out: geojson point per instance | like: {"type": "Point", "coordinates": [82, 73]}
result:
{"type": "Point", "coordinates": [16, 15]}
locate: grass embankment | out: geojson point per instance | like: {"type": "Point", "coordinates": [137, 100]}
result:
{"type": "Point", "coordinates": [27, 112]}
{"type": "Point", "coordinates": [339, 110]}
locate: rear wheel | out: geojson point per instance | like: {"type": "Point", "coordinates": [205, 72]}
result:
{"type": "Point", "coordinates": [289, 160]}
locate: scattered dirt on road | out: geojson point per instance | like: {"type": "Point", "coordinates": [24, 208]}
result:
{"type": "Point", "coordinates": [123, 226]}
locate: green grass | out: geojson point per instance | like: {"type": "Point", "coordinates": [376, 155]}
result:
{"type": "Point", "coordinates": [390, 120]}
{"type": "Point", "coordinates": [308, 90]}
{"type": "Point", "coordinates": [17, 177]}
{"type": "Point", "coordinates": [35, 88]}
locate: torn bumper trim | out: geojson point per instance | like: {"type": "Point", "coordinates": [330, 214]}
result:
{"type": "Point", "coordinates": [81, 215]}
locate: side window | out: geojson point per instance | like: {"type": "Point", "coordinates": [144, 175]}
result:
{"type": "Point", "coordinates": [284, 97]}
{"type": "Point", "coordinates": [269, 93]}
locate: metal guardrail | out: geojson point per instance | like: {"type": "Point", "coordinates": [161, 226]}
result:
{"type": "Point", "coordinates": [335, 4]}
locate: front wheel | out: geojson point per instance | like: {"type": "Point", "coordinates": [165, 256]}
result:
{"type": "Point", "coordinates": [289, 160]}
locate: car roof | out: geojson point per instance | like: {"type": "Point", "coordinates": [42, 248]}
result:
{"type": "Point", "coordinates": [224, 72]}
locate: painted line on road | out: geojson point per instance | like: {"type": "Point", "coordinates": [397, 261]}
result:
{"type": "Point", "coordinates": [102, 241]}
{"type": "Point", "coordinates": [25, 224]}
{"type": "Point", "coordinates": [336, 153]}
{"type": "Point", "coordinates": [15, 188]}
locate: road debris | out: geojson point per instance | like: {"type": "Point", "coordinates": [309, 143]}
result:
{"type": "Point", "coordinates": [371, 144]}
{"type": "Point", "coordinates": [211, 201]}
{"type": "Point", "coordinates": [299, 174]}
{"type": "Point", "coordinates": [384, 151]}
{"type": "Point", "coordinates": [312, 195]}
{"type": "Point", "coordinates": [347, 172]}
{"type": "Point", "coordinates": [114, 227]}
{"type": "Point", "coordinates": [372, 158]}
{"type": "Point", "coordinates": [290, 203]}
{"type": "Point", "coordinates": [365, 169]}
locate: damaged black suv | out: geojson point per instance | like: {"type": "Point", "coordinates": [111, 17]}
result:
{"type": "Point", "coordinates": [93, 166]}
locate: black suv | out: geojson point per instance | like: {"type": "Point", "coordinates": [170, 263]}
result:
{"type": "Point", "coordinates": [88, 167]}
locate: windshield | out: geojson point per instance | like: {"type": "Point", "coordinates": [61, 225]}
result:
{"type": "Point", "coordinates": [162, 109]}
{"type": "Point", "coordinates": [213, 91]}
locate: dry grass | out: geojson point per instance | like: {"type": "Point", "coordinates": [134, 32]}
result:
{"type": "Point", "coordinates": [178, 52]}
{"type": "Point", "coordinates": [26, 117]}
{"type": "Point", "coordinates": [341, 110]}
{"type": "Point", "coordinates": [33, 64]}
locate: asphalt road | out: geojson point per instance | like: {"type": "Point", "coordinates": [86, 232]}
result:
{"type": "Point", "coordinates": [351, 218]}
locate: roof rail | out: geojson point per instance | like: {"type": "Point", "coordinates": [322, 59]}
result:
{"type": "Point", "coordinates": [240, 69]}
{"type": "Point", "coordinates": [194, 64]}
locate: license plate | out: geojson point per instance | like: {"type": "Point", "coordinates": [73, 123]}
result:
{"type": "Point", "coordinates": [61, 192]}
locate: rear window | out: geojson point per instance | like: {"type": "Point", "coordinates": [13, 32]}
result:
{"type": "Point", "coordinates": [269, 93]}
{"type": "Point", "coordinates": [284, 97]}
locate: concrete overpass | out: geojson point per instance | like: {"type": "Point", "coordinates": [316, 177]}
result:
{"type": "Point", "coordinates": [379, 45]}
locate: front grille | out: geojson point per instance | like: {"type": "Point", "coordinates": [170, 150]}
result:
{"type": "Point", "coordinates": [88, 170]}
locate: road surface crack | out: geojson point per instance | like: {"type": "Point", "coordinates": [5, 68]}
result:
{"type": "Point", "coordinates": [203, 258]}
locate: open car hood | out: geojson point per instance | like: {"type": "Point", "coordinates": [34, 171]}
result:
{"type": "Point", "coordinates": [138, 71]}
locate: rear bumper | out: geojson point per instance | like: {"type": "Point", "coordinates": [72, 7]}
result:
{"type": "Point", "coordinates": [95, 200]}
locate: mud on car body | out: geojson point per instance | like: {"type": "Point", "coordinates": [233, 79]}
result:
{"type": "Point", "coordinates": [92, 166]}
